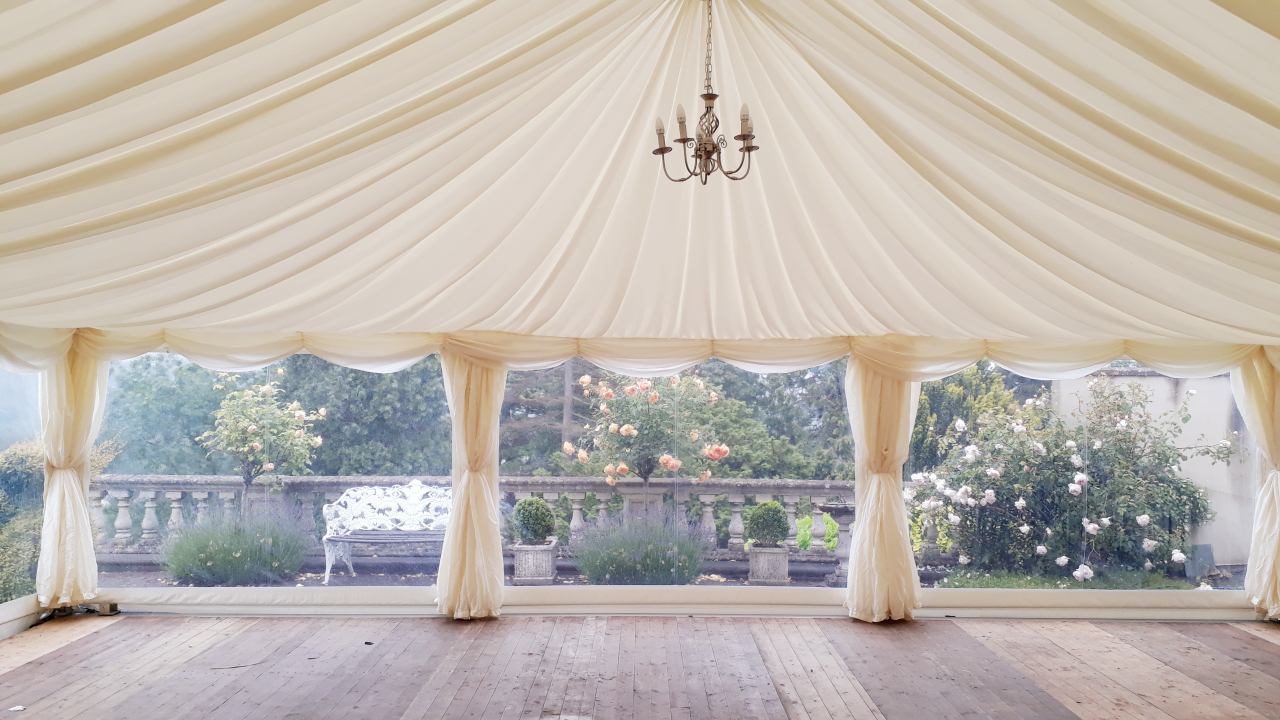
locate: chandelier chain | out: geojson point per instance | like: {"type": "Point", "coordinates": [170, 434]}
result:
{"type": "Point", "coordinates": [707, 82]}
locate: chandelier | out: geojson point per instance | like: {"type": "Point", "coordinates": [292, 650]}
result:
{"type": "Point", "coordinates": [703, 158]}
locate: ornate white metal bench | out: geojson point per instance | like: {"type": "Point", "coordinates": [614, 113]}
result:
{"type": "Point", "coordinates": [411, 513]}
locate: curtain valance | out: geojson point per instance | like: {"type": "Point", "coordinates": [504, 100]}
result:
{"type": "Point", "coordinates": [25, 349]}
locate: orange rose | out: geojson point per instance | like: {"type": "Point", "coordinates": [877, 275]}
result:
{"type": "Point", "coordinates": [623, 469]}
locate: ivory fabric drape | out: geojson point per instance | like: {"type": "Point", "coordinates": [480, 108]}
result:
{"type": "Point", "coordinates": [469, 582]}
{"type": "Point", "coordinates": [72, 398]}
{"type": "Point", "coordinates": [1257, 389]}
{"type": "Point", "coordinates": [1044, 171]}
{"type": "Point", "coordinates": [883, 582]}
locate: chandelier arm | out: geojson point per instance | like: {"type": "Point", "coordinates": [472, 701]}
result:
{"type": "Point", "coordinates": [733, 174]}
{"type": "Point", "coordinates": [684, 153]}
{"type": "Point", "coordinates": [668, 174]}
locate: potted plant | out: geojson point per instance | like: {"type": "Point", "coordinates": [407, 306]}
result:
{"type": "Point", "coordinates": [535, 549]}
{"type": "Point", "coordinates": [767, 530]}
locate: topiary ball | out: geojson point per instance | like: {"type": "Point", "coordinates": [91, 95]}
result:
{"type": "Point", "coordinates": [767, 524]}
{"type": "Point", "coordinates": [534, 521]}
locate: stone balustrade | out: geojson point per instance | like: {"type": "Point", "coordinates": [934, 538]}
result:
{"type": "Point", "coordinates": [134, 512]}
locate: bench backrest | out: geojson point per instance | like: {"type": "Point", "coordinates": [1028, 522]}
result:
{"type": "Point", "coordinates": [410, 507]}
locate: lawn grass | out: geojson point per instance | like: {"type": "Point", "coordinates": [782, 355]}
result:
{"type": "Point", "coordinates": [1104, 580]}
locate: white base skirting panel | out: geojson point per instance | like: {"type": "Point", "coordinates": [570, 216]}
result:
{"type": "Point", "coordinates": [687, 600]}
{"type": "Point", "coordinates": [18, 615]}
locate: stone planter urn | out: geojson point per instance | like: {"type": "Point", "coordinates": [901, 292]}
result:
{"type": "Point", "coordinates": [768, 565]}
{"type": "Point", "coordinates": [534, 564]}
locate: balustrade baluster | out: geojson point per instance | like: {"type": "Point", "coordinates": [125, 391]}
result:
{"type": "Point", "coordinates": [707, 527]}
{"type": "Point", "coordinates": [99, 514]}
{"type": "Point", "coordinates": [202, 506]}
{"type": "Point", "coordinates": [124, 519]}
{"type": "Point", "coordinates": [577, 525]}
{"type": "Point", "coordinates": [817, 531]}
{"type": "Point", "coordinates": [736, 541]}
{"type": "Point", "coordinates": [789, 504]}
{"type": "Point", "coordinates": [227, 501]}
{"type": "Point", "coordinates": [150, 521]}
{"type": "Point", "coordinates": [176, 521]}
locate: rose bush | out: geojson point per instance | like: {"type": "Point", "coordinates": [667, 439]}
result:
{"type": "Point", "coordinates": [261, 432]}
{"type": "Point", "coordinates": [1026, 489]}
{"type": "Point", "coordinates": [643, 427]}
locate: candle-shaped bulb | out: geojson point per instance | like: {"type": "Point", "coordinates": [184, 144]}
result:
{"type": "Point", "coordinates": [746, 120]}
{"type": "Point", "coordinates": [680, 121]}
{"type": "Point", "coordinates": [659, 126]}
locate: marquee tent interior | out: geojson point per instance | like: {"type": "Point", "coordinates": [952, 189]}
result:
{"type": "Point", "coordinates": [1048, 185]}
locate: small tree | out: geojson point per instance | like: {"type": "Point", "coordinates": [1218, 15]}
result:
{"type": "Point", "coordinates": [261, 433]}
{"type": "Point", "coordinates": [534, 521]}
{"type": "Point", "coordinates": [646, 427]}
{"type": "Point", "coordinates": [767, 524]}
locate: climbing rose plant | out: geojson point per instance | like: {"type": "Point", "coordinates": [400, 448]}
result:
{"type": "Point", "coordinates": [260, 431]}
{"type": "Point", "coordinates": [642, 427]}
{"type": "Point", "coordinates": [1026, 489]}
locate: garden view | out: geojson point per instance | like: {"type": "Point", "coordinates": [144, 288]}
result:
{"type": "Point", "coordinates": [717, 475]}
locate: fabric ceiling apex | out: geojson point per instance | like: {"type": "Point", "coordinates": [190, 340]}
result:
{"type": "Point", "coordinates": [1030, 171]}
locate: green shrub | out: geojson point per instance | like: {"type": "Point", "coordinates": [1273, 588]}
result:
{"type": "Point", "coordinates": [22, 469]}
{"type": "Point", "coordinates": [19, 550]}
{"type": "Point", "coordinates": [640, 552]}
{"type": "Point", "coordinates": [1023, 486]}
{"type": "Point", "coordinates": [534, 521]}
{"type": "Point", "coordinates": [804, 532]}
{"type": "Point", "coordinates": [767, 524]}
{"type": "Point", "coordinates": [230, 553]}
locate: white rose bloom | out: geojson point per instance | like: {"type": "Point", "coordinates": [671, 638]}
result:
{"type": "Point", "coordinates": [953, 518]}
{"type": "Point", "coordinates": [1148, 566]}
{"type": "Point", "coordinates": [1097, 444]}
{"type": "Point", "coordinates": [1062, 560]}
{"type": "Point", "coordinates": [960, 425]}
{"type": "Point", "coordinates": [1091, 528]}
{"type": "Point", "coordinates": [1025, 529]}
{"type": "Point", "coordinates": [268, 467]}
{"type": "Point", "coordinates": [1041, 550]}
{"type": "Point", "coordinates": [1106, 522]}
{"type": "Point", "coordinates": [963, 559]}
{"type": "Point", "coordinates": [989, 495]}
{"type": "Point", "coordinates": [1040, 448]}
{"type": "Point", "coordinates": [1074, 489]}
{"type": "Point", "coordinates": [971, 502]}
{"type": "Point", "coordinates": [1082, 573]}
{"type": "Point", "coordinates": [1071, 445]}
{"type": "Point", "coordinates": [1143, 520]}
{"type": "Point", "coordinates": [1020, 504]}
{"type": "Point", "coordinates": [1077, 460]}
{"type": "Point", "coordinates": [917, 477]}
{"type": "Point", "coordinates": [993, 473]}
{"type": "Point", "coordinates": [1178, 557]}
{"type": "Point", "coordinates": [1028, 402]}
{"type": "Point", "coordinates": [1205, 586]}
{"type": "Point", "coordinates": [1048, 532]}
{"type": "Point", "coordinates": [1080, 478]}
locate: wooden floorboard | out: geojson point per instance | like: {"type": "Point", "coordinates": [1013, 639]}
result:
{"type": "Point", "coordinates": [685, 668]}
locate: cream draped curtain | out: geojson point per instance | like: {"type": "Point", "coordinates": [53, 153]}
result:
{"type": "Point", "coordinates": [883, 582]}
{"type": "Point", "coordinates": [469, 582]}
{"type": "Point", "coordinates": [72, 398]}
{"type": "Point", "coordinates": [1257, 389]}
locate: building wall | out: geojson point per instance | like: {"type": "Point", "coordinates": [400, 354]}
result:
{"type": "Point", "coordinates": [1230, 488]}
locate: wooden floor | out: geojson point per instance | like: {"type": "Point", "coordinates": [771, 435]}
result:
{"type": "Point", "coordinates": [170, 667]}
